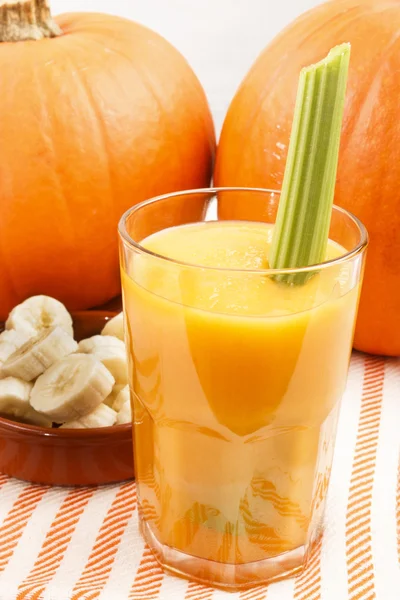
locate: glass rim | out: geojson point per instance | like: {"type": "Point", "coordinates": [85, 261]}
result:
{"type": "Point", "coordinates": [343, 258]}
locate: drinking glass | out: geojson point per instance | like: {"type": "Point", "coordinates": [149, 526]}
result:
{"type": "Point", "coordinates": [235, 400]}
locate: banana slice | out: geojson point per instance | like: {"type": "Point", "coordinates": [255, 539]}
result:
{"type": "Point", "coordinates": [31, 417]}
{"type": "Point", "coordinates": [72, 388]}
{"type": "Point", "coordinates": [10, 341]}
{"type": "Point", "coordinates": [122, 398]}
{"type": "Point", "coordinates": [38, 354]}
{"type": "Point", "coordinates": [102, 416]}
{"type": "Point", "coordinates": [115, 327]}
{"type": "Point", "coordinates": [110, 400]}
{"type": "Point", "coordinates": [98, 342]}
{"type": "Point", "coordinates": [14, 402]}
{"type": "Point", "coordinates": [125, 413]}
{"type": "Point", "coordinates": [115, 361]}
{"type": "Point", "coordinates": [111, 352]}
{"type": "Point", "coordinates": [38, 313]}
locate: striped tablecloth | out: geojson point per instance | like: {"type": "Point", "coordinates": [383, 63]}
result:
{"type": "Point", "coordinates": [64, 544]}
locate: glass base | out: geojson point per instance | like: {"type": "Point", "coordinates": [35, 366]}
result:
{"type": "Point", "coordinates": [229, 577]}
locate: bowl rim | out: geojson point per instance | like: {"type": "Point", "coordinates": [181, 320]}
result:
{"type": "Point", "coordinates": [57, 433]}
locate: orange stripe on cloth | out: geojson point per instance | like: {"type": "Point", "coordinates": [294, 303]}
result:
{"type": "Point", "coordinates": [148, 580]}
{"type": "Point", "coordinates": [98, 567]}
{"type": "Point", "coordinates": [16, 520]}
{"type": "Point", "coordinates": [55, 544]}
{"type": "Point", "coordinates": [3, 479]}
{"type": "Point", "coordinates": [308, 582]}
{"type": "Point", "coordinates": [257, 593]}
{"type": "Point", "coordinates": [197, 591]}
{"type": "Point", "coordinates": [360, 568]}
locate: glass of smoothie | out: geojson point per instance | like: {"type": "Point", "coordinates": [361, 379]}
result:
{"type": "Point", "coordinates": [236, 379]}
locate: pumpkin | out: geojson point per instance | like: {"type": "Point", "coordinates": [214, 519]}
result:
{"type": "Point", "coordinates": [255, 136]}
{"type": "Point", "coordinates": [97, 113]}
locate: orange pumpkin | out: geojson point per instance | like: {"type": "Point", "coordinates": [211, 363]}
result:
{"type": "Point", "coordinates": [97, 114]}
{"type": "Point", "coordinates": [254, 141]}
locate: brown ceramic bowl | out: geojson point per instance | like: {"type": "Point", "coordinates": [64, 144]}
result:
{"type": "Point", "coordinates": [68, 457]}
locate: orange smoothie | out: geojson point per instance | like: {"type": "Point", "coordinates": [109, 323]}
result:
{"type": "Point", "coordinates": [236, 382]}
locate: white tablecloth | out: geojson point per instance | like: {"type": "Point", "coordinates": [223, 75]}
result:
{"type": "Point", "coordinates": [66, 544]}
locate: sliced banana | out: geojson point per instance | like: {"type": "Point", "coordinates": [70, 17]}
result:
{"type": "Point", "coordinates": [102, 416]}
{"type": "Point", "coordinates": [98, 342]}
{"type": "Point", "coordinates": [115, 327]}
{"type": "Point", "coordinates": [10, 341]}
{"type": "Point", "coordinates": [38, 354]}
{"type": "Point", "coordinates": [38, 313]}
{"type": "Point", "coordinates": [122, 398]}
{"type": "Point", "coordinates": [110, 400]}
{"type": "Point", "coordinates": [115, 361]}
{"type": "Point", "coordinates": [111, 352]}
{"type": "Point", "coordinates": [72, 388]}
{"type": "Point", "coordinates": [125, 413]}
{"type": "Point", "coordinates": [14, 402]}
{"type": "Point", "coordinates": [32, 417]}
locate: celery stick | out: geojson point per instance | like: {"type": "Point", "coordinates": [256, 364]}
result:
{"type": "Point", "coordinates": [302, 226]}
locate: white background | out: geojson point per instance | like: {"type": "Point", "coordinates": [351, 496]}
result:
{"type": "Point", "coordinates": [220, 38]}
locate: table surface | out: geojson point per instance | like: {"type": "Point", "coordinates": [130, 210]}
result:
{"type": "Point", "coordinates": [70, 544]}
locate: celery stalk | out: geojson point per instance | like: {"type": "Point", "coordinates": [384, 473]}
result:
{"type": "Point", "coordinates": [302, 226]}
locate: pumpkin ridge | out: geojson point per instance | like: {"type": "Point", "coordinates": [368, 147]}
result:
{"type": "Point", "coordinates": [167, 124]}
{"type": "Point", "coordinates": [102, 134]}
{"type": "Point", "coordinates": [148, 84]}
{"type": "Point", "coordinates": [195, 84]}
{"type": "Point", "coordinates": [368, 89]}
{"type": "Point", "coordinates": [141, 75]}
{"type": "Point", "coordinates": [9, 282]}
{"type": "Point", "coordinates": [353, 123]}
{"type": "Point", "coordinates": [48, 143]}
{"type": "Point", "coordinates": [246, 134]}
{"type": "Point", "coordinates": [206, 122]}
{"type": "Point", "coordinates": [57, 179]}
{"type": "Point", "coordinates": [196, 87]}
{"type": "Point", "coordinates": [110, 209]}
{"type": "Point", "coordinates": [70, 237]}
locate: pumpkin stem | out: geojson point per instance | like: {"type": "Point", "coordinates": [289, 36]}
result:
{"type": "Point", "coordinates": [22, 20]}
